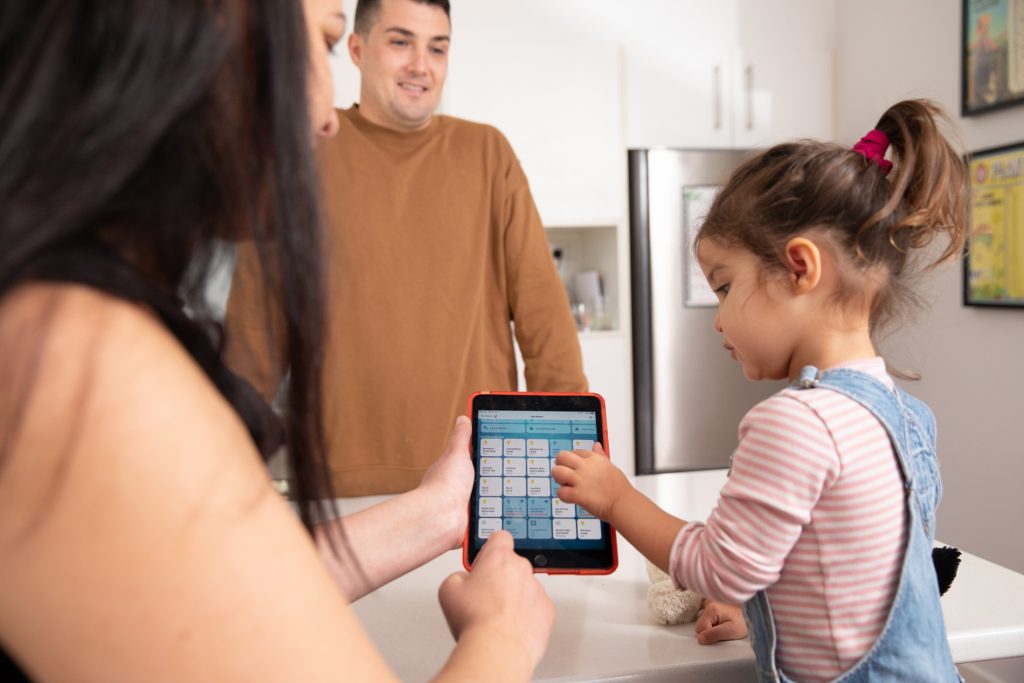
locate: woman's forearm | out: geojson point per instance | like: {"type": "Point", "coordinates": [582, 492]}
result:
{"type": "Point", "coordinates": [377, 545]}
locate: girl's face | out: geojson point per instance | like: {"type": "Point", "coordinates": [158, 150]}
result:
{"type": "Point", "coordinates": [325, 22]}
{"type": "Point", "coordinates": [756, 318]}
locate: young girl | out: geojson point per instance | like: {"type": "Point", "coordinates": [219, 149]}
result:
{"type": "Point", "coordinates": [825, 527]}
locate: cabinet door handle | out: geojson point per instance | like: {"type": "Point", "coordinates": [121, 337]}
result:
{"type": "Point", "coordinates": [749, 82]}
{"type": "Point", "coordinates": [716, 95]}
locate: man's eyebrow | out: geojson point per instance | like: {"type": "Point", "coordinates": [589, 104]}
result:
{"type": "Point", "coordinates": [409, 34]}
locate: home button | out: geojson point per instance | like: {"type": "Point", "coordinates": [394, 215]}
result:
{"type": "Point", "coordinates": [540, 561]}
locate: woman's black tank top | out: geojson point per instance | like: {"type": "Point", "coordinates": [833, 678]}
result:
{"type": "Point", "coordinates": [94, 264]}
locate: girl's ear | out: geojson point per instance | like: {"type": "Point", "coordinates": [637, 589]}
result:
{"type": "Point", "coordinates": [802, 259]}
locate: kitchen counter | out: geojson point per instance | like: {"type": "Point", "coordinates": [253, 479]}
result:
{"type": "Point", "coordinates": [603, 630]}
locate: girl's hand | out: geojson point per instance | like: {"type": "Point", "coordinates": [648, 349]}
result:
{"type": "Point", "coordinates": [720, 621]}
{"type": "Point", "coordinates": [502, 596]}
{"type": "Point", "coordinates": [589, 478]}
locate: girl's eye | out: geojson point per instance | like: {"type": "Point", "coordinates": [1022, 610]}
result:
{"type": "Point", "coordinates": [723, 290]}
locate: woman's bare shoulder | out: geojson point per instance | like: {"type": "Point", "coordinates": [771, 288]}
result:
{"type": "Point", "coordinates": [95, 380]}
{"type": "Point", "coordinates": [60, 327]}
{"type": "Point", "coordinates": [132, 496]}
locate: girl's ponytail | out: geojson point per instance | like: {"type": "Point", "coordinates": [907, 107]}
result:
{"type": "Point", "coordinates": [928, 182]}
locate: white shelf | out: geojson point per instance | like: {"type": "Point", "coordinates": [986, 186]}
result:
{"type": "Point", "coordinates": [591, 248]}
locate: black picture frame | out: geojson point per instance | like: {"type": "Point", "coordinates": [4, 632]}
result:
{"type": "Point", "coordinates": [989, 51]}
{"type": "Point", "coordinates": [993, 264]}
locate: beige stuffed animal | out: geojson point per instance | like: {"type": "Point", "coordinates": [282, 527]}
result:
{"type": "Point", "coordinates": [668, 604]}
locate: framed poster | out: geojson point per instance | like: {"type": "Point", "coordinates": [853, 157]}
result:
{"type": "Point", "coordinates": [994, 253]}
{"type": "Point", "coordinates": [992, 55]}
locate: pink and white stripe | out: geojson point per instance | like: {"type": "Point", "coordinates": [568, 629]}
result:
{"type": "Point", "coordinates": [813, 511]}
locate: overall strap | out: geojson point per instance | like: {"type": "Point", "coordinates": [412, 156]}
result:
{"type": "Point", "coordinates": [909, 424]}
{"type": "Point", "coordinates": [888, 405]}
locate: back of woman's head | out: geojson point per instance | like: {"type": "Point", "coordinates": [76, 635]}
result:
{"type": "Point", "coordinates": [874, 219]}
{"type": "Point", "coordinates": [154, 127]}
{"type": "Point", "coordinates": [155, 122]}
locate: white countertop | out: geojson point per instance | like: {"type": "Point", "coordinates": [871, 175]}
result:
{"type": "Point", "coordinates": [603, 630]}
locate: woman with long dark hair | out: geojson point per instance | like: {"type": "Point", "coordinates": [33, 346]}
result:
{"type": "Point", "coordinates": [139, 536]}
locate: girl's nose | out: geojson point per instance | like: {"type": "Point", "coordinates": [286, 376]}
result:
{"type": "Point", "coordinates": [718, 322]}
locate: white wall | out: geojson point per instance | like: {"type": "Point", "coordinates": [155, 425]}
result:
{"type": "Point", "coordinates": [972, 359]}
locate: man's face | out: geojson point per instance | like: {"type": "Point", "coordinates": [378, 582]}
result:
{"type": "Point", "coordinates": [403, 60]}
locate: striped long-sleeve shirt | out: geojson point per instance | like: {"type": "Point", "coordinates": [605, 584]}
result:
{"type": "Point", "coordinates": [814, 512]}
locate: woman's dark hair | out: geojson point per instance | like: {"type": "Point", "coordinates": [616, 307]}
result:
{"type": "Point", "coordinates": [146, 129]}
{"type": "Point", "coordinates": [876, 220]}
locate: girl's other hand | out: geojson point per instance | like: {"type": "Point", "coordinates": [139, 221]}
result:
{"type": "Point", "coordinates": [589, 478]}
{"type": "Point", "coordinates": [501, 595]}
{"type": "Point", "coordinates": [720, 621]}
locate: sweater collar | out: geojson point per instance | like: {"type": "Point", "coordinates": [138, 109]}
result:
{"type": "Point", "coordinates": [389, 136]}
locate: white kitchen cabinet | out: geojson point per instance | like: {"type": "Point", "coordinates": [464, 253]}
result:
{"type": "Point", "coordinates": [678, 98]}
{"type": "Point", "coordinates": [781, 94]}
{"type": "Point", "coordinates": [558, 103]}
{"type": "Point", "coordinates": [703, 98]}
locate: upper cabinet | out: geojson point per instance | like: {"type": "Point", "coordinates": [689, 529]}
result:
{"type": "Point", "coordinates": [765, 78]}
{"type": "Point", "coordinates": [780, 95]}
{"type": "Point", "coordinates": [678, 98]}
{"type": "Point", "coordinates": [573, 83]}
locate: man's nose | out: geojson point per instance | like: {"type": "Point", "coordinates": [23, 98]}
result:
{"type": "Point", "coordinates": [418, 61]}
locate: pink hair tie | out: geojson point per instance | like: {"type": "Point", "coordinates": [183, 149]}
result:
{"type": "Point", "coordinates": [872, 147]}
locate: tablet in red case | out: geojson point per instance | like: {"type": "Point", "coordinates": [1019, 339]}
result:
{"type": "Point", "coordinates": [516, 436]}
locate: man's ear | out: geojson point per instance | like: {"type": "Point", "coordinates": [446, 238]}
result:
{"type": "Point", "coordinates": [802, 259]}
{"type": "Point", "coordinates": [355, 49]}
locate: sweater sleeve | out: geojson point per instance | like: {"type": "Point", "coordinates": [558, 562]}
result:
{"type": "Point", "coordinates": [538, 302]}
{"type": "Point", "coordinates": [784, 461]}
{"type": "Point", "coordinates": [253, 328]}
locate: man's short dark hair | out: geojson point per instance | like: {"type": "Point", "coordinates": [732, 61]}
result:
{"type": "Point", "coordinates": [367, 11]}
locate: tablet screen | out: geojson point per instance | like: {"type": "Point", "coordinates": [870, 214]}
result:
{"type": "Point", "coordinates": [516, 438]}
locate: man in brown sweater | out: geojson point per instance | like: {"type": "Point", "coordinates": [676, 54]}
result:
{"type": "Point", "coordinates": [435, 247]}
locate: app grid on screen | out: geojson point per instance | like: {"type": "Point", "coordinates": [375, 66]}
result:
{"type": "Point", "coordinates": [515, 453]}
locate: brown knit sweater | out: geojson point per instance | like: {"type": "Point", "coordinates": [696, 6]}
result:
{"type": "Point", "coordinates": [435, 246]}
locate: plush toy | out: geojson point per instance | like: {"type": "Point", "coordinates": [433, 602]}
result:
{"type": "Point", "coordinates": [946, 561]}
{"type": "Point", "coordinates": [668, 604]}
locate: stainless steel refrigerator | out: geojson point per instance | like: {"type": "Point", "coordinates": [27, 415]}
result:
{"type": "Point", "coordinates": [689, 394]}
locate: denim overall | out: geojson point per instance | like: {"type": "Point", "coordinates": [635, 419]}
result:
{"type": "Point", "coordinates": [912, 645]}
